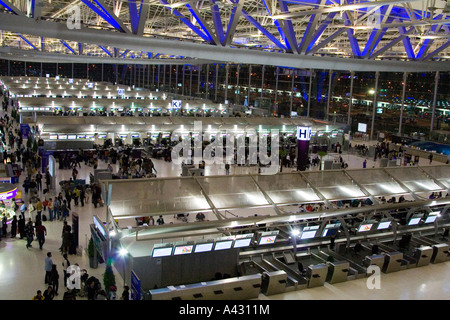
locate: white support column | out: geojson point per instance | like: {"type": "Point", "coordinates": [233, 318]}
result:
{"type": "Point", "coordinates": [330, 78]}
{"type": "Point", "coordinates": [405, 77]}
{"type": "Point", "coordinates": [350, 103]}
{"type": "Point", "coordinates": [374, 109]}
{"type": "Point", "coordinates": [433, 112]}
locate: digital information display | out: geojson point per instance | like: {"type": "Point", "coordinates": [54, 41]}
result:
{"type": "Point", "coordinates": [162, 252]}
{"type": "Point", "coordinates": [183, 249]}
{"type": "Point", "coordinates": [203, 247]}
{"type": "Point", "coordinates": [267, 239]}
{"type": "Point", "coordinates": [222, 245]}
{"type": "Point", "coordinates": [362, 127]}
{"type": "Point", "coordinates": [308, 234]}
{"type": "Point", "coordinates": [431, 219]}
{"type": "Point", "coordinates": [414, 221]}
{"type": "Point", "coordinates": [384, 225]}
{"type": "Point", "coordinates": [243, 242]}
{"type": "Point", "coordinates": [365, 227]}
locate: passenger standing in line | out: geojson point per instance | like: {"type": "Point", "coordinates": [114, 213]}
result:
{"type": "Point", "coordinates": [14, 227]}
{"type": "Point", "coordinates": [227, 168]}
{"type": "Point", "coordinates": [48, 267]}
{"type": "Point", "coordinates": [21, 227]}
{"type": "Point", "coordinates": [365, 164]}
{"type": "Point", "coordinates": [54, 279]}
{"type": "Point", "coordinates": [160, 220]}
{"type": "Point", "coordinates": [50, 209]}
{"type": "Point", "coordinates": [65, 265]}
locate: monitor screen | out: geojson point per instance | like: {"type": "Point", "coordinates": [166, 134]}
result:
{"type": "Point", "coordinates": [308, 234]}
{"type": "Point", "coordinates": [62, 137]}
{"type": "Point", "coordinates": [365, 227]}
{"type": "Point", "coordinates": [244, 242]}
{"type": "Point", "coordinates": [71, 136]}
{"type": "Point", "coordinates": [53, 137]}
{"type": "Point", "coordinates": [362, 127]}
{"type": "Point", "coordinates": [328, 232]}
{"type": "Point", "coordinates": [384, 225]}
{"type": "Point", "coordinates": [162, 252]}
{"type": "Point", "coordinates": [414, 221]}
{"type": "Point", "coordinates": [431, 219]}
{"type": "Point", "coordinates": [222, 245]}
{"type": "Point", "coordinates": [203, 247]}
{"type": "Point", "coordinates": [267, 239]}
{"type": "Point", "coordinates": [183, 249]}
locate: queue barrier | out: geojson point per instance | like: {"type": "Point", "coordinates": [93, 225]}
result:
{"type": "Point", "coordinates": [238, 288]}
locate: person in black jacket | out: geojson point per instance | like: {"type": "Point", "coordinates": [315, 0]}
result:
{"type": "Point", "coordinates": [54, 279]}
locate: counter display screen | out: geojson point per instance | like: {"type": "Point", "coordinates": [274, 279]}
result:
{"type": "Point", "coordinates": [183, 249]}
{"type": "Point", "coordinates": [384, 225]}
{"type": "Point", "coordinates": [414, 221]}
{"type": "Point", "coordinates": [365, 227]}
{"type": "Point", "coordinates": [431, 219]}
{"type": "Point", "coordinates": [203, 247]}
{"type": "Point", "coordinates": [308, 234]}
{"type": "Point", "coordinates": [222, 245]}
{"type": "Point", "coordinates": [244, 242]}
{"type": "Point", "coordinates": [267, 240]}
{"type": "Point", "coordinates": [329, 232]}
{"type": "Point", "coordinates": [162, 252]}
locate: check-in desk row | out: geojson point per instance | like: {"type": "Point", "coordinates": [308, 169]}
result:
{"type": "Point", "coordinates": [282, 271]}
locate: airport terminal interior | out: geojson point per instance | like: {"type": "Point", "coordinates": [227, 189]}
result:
{"type": "Point", "coordinates": [225, 150]}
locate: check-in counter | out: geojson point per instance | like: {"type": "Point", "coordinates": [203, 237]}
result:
{"type": "Point", "coordinates": [316, 275]}
{"type": "Point", "coordinates": [242, 288]}
{"type": "Point", "coordinates": [274, 282]}
{"type": "Point", "coordinates": [393, 261]}
{"type": "Point", "coordinates": [423, 255]}
{"type": "Point", "coordinates": [440, 253]}
{"type": "Point", "coordinates": [374, 260]}
{"type": "Point", "coordinates": [338, 271]}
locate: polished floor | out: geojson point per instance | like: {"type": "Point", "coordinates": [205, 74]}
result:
{"type": "Point", "coordinates": [22, 269]}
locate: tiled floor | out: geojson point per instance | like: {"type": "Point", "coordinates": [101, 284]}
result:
{"type": "Point", "coordinates": [22, 269]}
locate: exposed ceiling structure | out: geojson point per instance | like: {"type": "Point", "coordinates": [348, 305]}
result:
{"type": "Point", "coordinates": [383, 35]}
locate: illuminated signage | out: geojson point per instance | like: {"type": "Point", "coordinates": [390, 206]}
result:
{"type": "Point", "coordinates": [304, 133]}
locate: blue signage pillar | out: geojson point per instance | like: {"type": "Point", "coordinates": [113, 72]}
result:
{"type": "Point", "coordinates": [303, 137]}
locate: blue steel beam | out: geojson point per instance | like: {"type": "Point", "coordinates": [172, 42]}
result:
{"type": "Point", "coordinates": [428, 42]}
{"type": "Point", "coordinates": [290, 42]}
{"type": "Point", "coordinates": [402, 37]}
{"type": "Point", "coordinates": [26, 40]}
{"type": "Point", "coordinates": [234, 18]}
{"type": "Point", "coordinates": [68, 46]}
{"type": "Point", "coordinates": [264, 30]}
{"type": "Point", "coordinates": [320, 30]}
{"type": "Point", "coordinates": [377, 34]}
{"type": "Point", "coordinates": [310, 28]}
{"type": "Point", "coordinates": [288, 23]}
{"type": "Point", "coordinates": [436, 51]}
{"type": "Point", "coordinates": [187, 22]}
{"type": "Point", "coordinates": [217, 21]}
{"type": "Point", "coordinates": [100, 9]}
{"type": "Point", "coordinates": [8, 5]}
{"type": "Point", "coordinates": [351, 36]}
{"type": "Point", "coordinates": [407, 43]}
{"type": "Point", "coordinates": [194, 12]}
{"type": "Point", "coordinates": [106, 50]}
{"type": "Point", "coordinates": [137, 18]}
